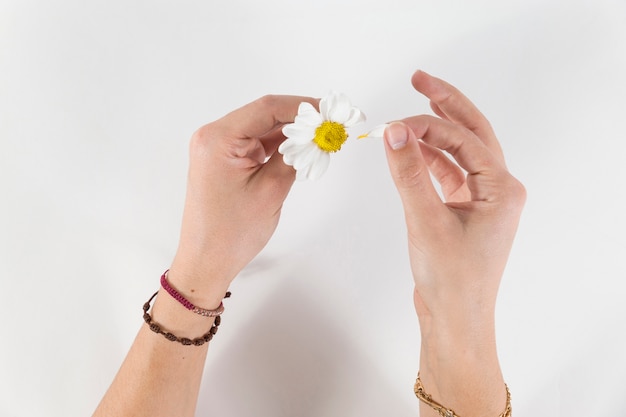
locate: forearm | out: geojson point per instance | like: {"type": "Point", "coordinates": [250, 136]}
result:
{"type": "Point", "coordinates": [459, 365]}
{"type": "Point", "coordinates": [160, 377]}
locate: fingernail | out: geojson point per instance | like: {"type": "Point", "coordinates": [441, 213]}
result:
{"type": "Point", "coordinates": [396, 136]}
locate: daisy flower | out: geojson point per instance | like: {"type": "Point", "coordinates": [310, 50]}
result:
{"type": "Point", "coordinates": [314, 135]}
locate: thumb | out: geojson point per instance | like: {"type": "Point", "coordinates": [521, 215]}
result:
{"type": "Point", "coordinates": [276, 178]}
{"type": "Point", "coordinates": [410, 174]}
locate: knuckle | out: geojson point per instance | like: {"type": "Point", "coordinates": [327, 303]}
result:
{"type": "Point", "coordinates": [515, 192]}
{"type": "Point", "coordinates": [409, 175]}
{"type": "Point", "coordinates": [201, 138]}
{"type": "Point", "coordinates": [267, 101]}
{"type": "Point", "coordinates": [445, 97]}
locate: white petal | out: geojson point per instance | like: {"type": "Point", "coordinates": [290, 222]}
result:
{"type": "Point", "coordinates": [304, 158]}
{"type": "Point", "coordinates": [309, 161]}
{"type": "Point", "coordinates": [325, 104]}
{"type": "Point", "coordinates": [307, 115]}
{"type": "Point", "coordinates": [376, 132]}
{"type": "Point", "coordinates": [317, 162]}
{"type": "Point", "coordinates": [320, 166]}
{"type": "Point", "coordinates": [340, 108]}
{"type": "Point", "coordinates": [356, 116]}
{"type": "Point", "coordinates": [305, 106]}
{"type": "Point", "coordinates": [286, 147]}
{"type": "Point", "coordinates": [291, 151]}
{"type": "Point", "coordinates": [288, 156]}
{"type": "Point", "coordinates": [299, 133]}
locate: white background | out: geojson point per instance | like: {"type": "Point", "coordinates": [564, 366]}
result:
{"type": "Point", "coordinates": [99, 98]}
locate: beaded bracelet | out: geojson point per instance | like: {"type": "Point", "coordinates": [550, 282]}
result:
{"type": "Point", "coordinates": [186, 303]}
{"type": "Point", "coordinates": [155, 327]}
{"type": "Point", "coordinates": [448, 412]}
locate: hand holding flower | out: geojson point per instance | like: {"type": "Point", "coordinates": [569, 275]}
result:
{"type": "Point", "coordinates": [234, 196]}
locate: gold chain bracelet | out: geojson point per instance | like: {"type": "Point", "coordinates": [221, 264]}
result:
{"type": "Point", "coordinates": [448, 412]}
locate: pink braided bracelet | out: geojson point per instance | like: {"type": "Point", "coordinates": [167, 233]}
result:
{"type": "Point", "coordinates": [188, 304]}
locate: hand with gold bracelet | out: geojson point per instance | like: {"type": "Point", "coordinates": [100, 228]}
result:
{"type": "Point", "coordinates": [458, 247]}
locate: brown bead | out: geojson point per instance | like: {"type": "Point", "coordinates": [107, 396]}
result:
{"type": "Point", "coordinates": [156, 328]}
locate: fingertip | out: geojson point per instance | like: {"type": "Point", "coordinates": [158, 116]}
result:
{"type": "Point", "coordinates": [408, 169]}
{"type": "Point", "coordinates": [397, 135]}
{"type": "Point", "coordinates": [419, 77]}
{"type": "Point", "coordinates": [403, 153]}
{"type": "Point", "coordinates": [432, 87]}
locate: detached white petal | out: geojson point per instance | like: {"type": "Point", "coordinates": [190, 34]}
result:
{"type": "Point", "coordinates": [376, 133]}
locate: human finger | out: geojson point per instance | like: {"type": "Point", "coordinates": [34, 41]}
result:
{"type": "Point", "coordinates": [438, 111]}
{"type": "Point", "coordinates": [272, 140]}
{"type": "Point", "coordinates": [410, 173]}
{"type": "Point", "coordinates": [276, 177]}
{"type": "Point", "coordinates": [450, 177]}
{"type": "Point", "coordinates": [457, 108]}
{"type": "Point", "coordinates": [262, 115]}
{"type": "Point", "coordinates": [468, 151]}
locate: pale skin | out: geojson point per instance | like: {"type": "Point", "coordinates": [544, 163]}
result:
{"type": "Point", "coordinates": [458, 247]}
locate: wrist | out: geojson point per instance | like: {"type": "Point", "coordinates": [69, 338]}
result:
{"type": "Point", "coordinates": [200, 279]}
{"type": "Point", "coordinates": [186, 315]}
{"type": "Point", "coordinates": [209, 267]}
{"type": "Point", "coordinates": [460, 319]}
{"type": "Point", "coordinates": [458, 360]}
{"type": "Point", "coordinates": [175, 322]}
{"type": "Point", "coordinates": [449, 346]}
{"type": "Point", "coordinates": [462, 372]}
{"type": "Point", "coordinates": [450, 341]}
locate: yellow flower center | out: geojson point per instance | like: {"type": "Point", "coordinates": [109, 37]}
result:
{"type": "Point", "coordinates": [329, 136]}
